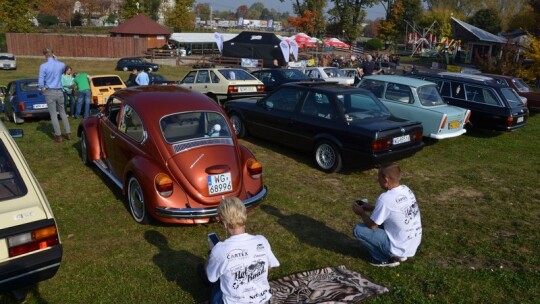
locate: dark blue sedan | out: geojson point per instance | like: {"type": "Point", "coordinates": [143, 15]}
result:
{"type": "Point", "coordinates": [273, 78]}
{"type": "Point", "coordinates": [332, 121]}
{"type": "Point", "coordinates": [23, 99]}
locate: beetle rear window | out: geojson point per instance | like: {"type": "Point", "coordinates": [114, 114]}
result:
{"type": "Point", "coordinates": [11, 184]}
{"type": "Point", "coordinates": [193, 125]}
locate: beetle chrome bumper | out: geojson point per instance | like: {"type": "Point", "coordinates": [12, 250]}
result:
{"type": "Point", "coordinates": [192, 213]}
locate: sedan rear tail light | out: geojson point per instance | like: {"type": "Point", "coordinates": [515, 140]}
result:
{"type": "Point", "coordinates": [467, 117]}
{"type": "Point", "coordinates": [509, 121]}
{"type": "Point", "coordinates": [260, 88]}
{"type": "Point", "coordinates": [95, 100]}
{"type": "Point", "coordinates": [33, 240]}
{"type": "Point", "coordinates": [443, 122]}
{"type": "Point", "coordinates": [164, 185]}
{"type": "Point", "coordinates": [232, 89]}
{"type": "Point", "coordinates": [254, 168]}
{"type": "Point", "coordinates": [381, 144]}
{"type": "Point", "coordinates": [22, 105]}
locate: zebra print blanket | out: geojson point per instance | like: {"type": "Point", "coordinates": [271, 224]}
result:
{"type": "Point", "coordinates": [336, 285]}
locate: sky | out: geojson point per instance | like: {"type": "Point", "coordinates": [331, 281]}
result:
{"type": "Point", "coordinates": [231, 5]}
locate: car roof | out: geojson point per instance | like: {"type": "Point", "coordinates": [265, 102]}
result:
{"type": "Point", "coordinates": [106, 75]}
{"type": "Point", "coordinates": [461, 77]}
{"type": "Point", "coordinates": [414, 82]}
{"type": "Point", "coordinates": [324, 86]}
{"type": "Point", "coordinates": [157, 101]}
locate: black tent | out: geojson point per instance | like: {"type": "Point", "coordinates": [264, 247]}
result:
{"type": "Point", "coordinates": [255, 45]}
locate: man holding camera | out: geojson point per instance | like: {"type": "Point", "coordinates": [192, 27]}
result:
{"type": "Point", "coordinates": [393, 232]}
{"type": "Point", "coordinates": [238, 267]}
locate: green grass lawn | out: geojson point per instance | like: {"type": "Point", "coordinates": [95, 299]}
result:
{"type": "Point", "coordinates": [478, 195]}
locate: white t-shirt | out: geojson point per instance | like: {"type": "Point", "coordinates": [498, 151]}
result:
{"type": "Point", "coordinates": [398, 211]}
{"type": "Point", "coordinates": [241, 262]}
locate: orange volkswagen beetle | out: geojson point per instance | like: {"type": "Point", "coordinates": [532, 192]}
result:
{"type": "Point", "coordinates": [172, 153]}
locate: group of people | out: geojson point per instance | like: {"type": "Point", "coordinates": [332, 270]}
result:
{"type": "Point", "coordinates": [58, 85]}
{"type": "Point", "coordinates": [238, 267]}
{"type": "Point", "coordinates": [138, 78]}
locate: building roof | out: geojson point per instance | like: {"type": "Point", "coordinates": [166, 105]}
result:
{"type": "Point", "coordinates": [141, 25]}
{"type": "Point", "coordinates": [464, 31]}
{"type": "Point", "coordinates": [198, 37]}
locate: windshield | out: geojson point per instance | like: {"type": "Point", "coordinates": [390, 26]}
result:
{"type": "Point", "coordinates": [293, 74]}
{"type": "Point", "coordinates": [521, 86]}
{"type": "Point", "coordinates": [429, 96]}
{"type": "Point", "coordinates": [193, 125]}
{"type": "Point", "coordinates": [236, 74]}
{"type": "Point", "coordinates": [11, 184]}
{"type": "Point", "coordinates": [334, 72]}
{"type": "Point", "coordinates": [6, 57]}
{"type": "Point", "coordinates": [361, 106]}
{"type": "Point", "coordinates": [513, 99]}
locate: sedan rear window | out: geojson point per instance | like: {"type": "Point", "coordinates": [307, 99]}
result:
{"type": "Point", "coordinates": [512, 97]}
{"type": "Point", "coordinates": [429, 96]}
{"type": "Point", "coordinates": [106, 81]}
{"type": "Point", "coordinates": [29, 86]}
{"type": "Point", "coordinates": [11, 184]}
{"type": "Point", "coordinates": [193, 125]}
{"type": "Point", "coordinates": [236, 74]}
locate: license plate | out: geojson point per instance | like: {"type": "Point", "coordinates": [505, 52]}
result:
{"type": "Point", "coordinates": [453, 124]}
{"type": "Point", "coordinates": [520, 119]}
{"type": "Point", "coordinates": [247, 89]}
{"type": "Point", "coordinates": [219, 183]}
{"type": "Point", "coordinates": [40, 106]}
{"type": "Point", "coordinates": [401, 139]}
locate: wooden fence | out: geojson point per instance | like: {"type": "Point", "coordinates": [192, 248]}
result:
{"type": "Point", "coordinates": [69, 45]}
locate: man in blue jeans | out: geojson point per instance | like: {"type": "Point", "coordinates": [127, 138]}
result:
{"type": "Point", "coordinates": [84, 95]}
{"type": "Point", "coordinates": [394, 231]}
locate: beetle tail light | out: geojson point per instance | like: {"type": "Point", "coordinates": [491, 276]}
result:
{"type": "Point", "coordinates": [443, 122]}
{"type": "Point", "coordinates": [22, 105]}
{"type": "Point", "coordinates": [164, 185]}
{"type": "Point", "coordinates": [33, 240]}
{"type": "Point", "coordinates": [254, 168]}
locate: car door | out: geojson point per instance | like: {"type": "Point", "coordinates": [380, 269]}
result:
{"type": "Point", "coordinates": [110, 136]}
{"type": "Point", "coordinates": [130, 134]}
{"type": "Point", "coordinates": [273, 118]}
{"type": "Point", "coordinates": [317, 115]}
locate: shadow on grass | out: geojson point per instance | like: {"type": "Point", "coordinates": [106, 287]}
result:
{"type": "Point", "coordinates": [317, 234]}
{"type": "Point", "coordinates": [349, 167]}
{"type": "Point", "coordinates": [23, 295]}
{"type": "Point", "coordinates": [179, 266]}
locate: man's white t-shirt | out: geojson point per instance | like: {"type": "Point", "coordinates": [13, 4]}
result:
{"type": "Point", "coordinates": [241, 262]}
{"type": "Point", "coordinates": [398, 211]}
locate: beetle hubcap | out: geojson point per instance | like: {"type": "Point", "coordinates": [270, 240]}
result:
{"type": "Point", "coordinates": [136, 200]}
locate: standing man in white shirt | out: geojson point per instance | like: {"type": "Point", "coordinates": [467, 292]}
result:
{"type": "Point", "coordinates": [394, 231]}
{"type": "Point", "coordinates": [238, 267]}
{"type": "Point", "coordinates": [142, 78]}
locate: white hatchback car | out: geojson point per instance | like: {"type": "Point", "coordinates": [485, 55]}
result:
{"type": "Point", "coordinates": [8, 61]}
{"type": "Point", "coordinates": [30, 247]}
{"type": "Point", "coordinates": [222, 84]}
{"type": "Point", "coordinates": [329, 74]}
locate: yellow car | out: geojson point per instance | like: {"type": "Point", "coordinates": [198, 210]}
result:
{"type": "Point", "coordinates": [30, 246]}
{"type": "Point", "coordinates": [102, 86]}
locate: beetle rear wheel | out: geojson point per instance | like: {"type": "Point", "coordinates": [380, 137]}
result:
{"type": "Point", "coordinates": [136, 202]}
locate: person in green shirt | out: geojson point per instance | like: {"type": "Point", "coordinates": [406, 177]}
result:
{"type": "Point", "coordinates": [67, 87]}
{"type": "Point", "coordinates": [83, 86]}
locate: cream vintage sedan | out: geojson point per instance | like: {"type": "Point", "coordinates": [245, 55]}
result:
{"type": "Point", "coordinates": [222, 84]}
{"type": "Point", "coordinates": [30, 247]}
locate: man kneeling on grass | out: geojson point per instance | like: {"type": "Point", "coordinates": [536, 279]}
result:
{"type": "Point", "coordinates": [238, 267]}
{"type": "Point", "coordinates": [394, 230]}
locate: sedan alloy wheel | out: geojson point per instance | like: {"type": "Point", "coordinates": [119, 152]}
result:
{"type": "Point", "coordinates": [327, 157]}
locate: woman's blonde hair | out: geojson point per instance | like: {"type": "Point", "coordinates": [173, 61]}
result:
{"type": "Point", "coordinates": [232, 212]}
